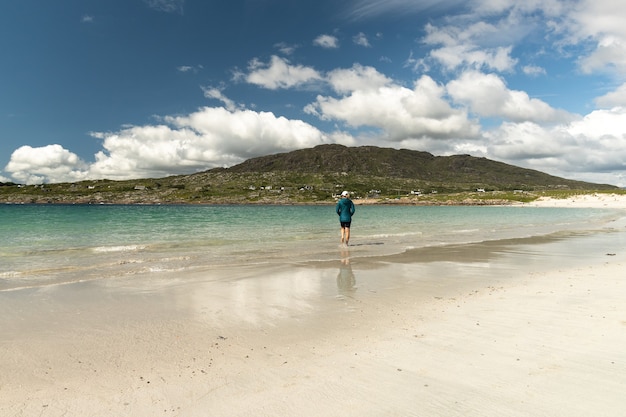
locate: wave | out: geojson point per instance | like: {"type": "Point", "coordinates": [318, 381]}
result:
{"type": "Point", "coordinates": [119, 248]}
{"type": "Point", "coordinates": [390, 235]}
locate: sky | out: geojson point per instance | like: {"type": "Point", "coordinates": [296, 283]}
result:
{"type": "Point", "coordinates": [129, 89]}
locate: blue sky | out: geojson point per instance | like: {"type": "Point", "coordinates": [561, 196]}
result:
{"type": "Point", "coordinates": [122, 89]}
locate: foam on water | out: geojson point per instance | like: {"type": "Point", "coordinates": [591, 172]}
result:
{"type": "Point", "coordinates": [122, 248]}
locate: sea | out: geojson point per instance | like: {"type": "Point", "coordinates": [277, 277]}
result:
{"type": "Point", "coordinates": [44, 245]}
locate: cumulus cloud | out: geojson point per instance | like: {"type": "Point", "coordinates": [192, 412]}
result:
{"type": "Point", "coordinates": [526, 142]}
{"type": "Point", "coordinates": [51, 163]}
{"type": "Point", "coordinates": [487, 95]}
{"type": "Point", "coordinates": [614, 98]}
{"type": "Point", "coordinates": [357, 78]}
{"type": "Point", "coordinates": [592, 147]}
{"type": "Point", "coordinates": [469, 47]}
{"type": "Point", "coordinates": [369, 99]}
{"type": "Point", "coordinates": [597, 28]}
{"type": "Point", "coordinates": [604, 127]}
{"type": "Point", "coordinates": [610, 54]}
{"type": "Point", "coordinates": [245, 133]}
{"type": "Point", "coordinates": [208, 138]}
{"type": "Point", "coordinates": [280, 74]}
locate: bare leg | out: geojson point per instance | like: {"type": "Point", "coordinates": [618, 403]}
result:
{"type": "Point", "coordinates": [347, 235]}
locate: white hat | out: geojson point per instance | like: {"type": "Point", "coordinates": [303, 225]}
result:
{"type": "Point", "coordinates": [344, 194]}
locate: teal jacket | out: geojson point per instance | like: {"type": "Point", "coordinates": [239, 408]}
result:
{"type": "Point", "coordinates": [345, 209]}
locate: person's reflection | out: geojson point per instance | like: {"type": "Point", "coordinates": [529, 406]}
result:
{"type": "Point", "coordinates": [346, 282]}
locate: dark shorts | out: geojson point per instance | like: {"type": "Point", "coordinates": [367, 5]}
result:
{"type": "Point", "coordinates": [345, 224]}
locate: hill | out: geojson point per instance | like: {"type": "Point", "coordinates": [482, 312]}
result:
{"type": "Point", "coordinates": [316, 175]}
{"type": "Point", "coordinates": [372, 161]}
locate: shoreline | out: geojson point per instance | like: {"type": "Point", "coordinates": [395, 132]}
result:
{"type": "Point", "coordinates": [587, 200]}
{"type": "Point", "coordinates": [524, 328]}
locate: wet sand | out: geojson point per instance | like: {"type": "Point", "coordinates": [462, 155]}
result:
{"type": "Point", "coordinates": [517, 328]}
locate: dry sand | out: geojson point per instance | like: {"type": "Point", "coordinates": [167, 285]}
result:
{"type": "Point", "coordinates": [535, 329]}
{"type": "Point", "coordinates": [599, 200]}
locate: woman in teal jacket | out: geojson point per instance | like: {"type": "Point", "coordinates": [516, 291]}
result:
{"type": "Point", "coordinates": [345, 209]}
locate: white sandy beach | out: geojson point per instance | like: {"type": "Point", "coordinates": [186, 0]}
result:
{"type": "Point", "coordinates": [532, 330]}
{"type": "Point", "coordinates": [583, 200]}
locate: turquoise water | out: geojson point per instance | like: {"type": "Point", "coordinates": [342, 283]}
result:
{"type": "Point", "coordinates": [51, 244]}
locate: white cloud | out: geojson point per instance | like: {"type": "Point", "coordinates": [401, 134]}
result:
{"type": "Point", "coordinates": [369, 99]}
{"type": "Point", "coordinates": [286, 48]}
{"type": "Point", "coordinates": [216, 93]}
{"type": "Point", "coordinates": [458, 56]}
{"type": "Point", "coordinates": [487, 95]}
{"type": "Point", "coordinates": [463, 47]}
{"type": "Point", "coordinates": [606, 126]}
{"type": "Point", "coordinates": [610, 54]}
{"type": "Point", "coordinates": [361, 40]}
{"type": "Point", "coordinates": [485, 34]}
{"type": "Point", "coordinates": [597, 18]}
{"type": "Point", "coordinates": [279, 73]}
{"type": "Point", "coordinates": [86, 18]}
{"type": "Point", "coordinates": [189, 68]}
{"type": "Point", "coordinates": [357, 78]}
{"type": "Point", "coordinates": [533, 70]}
{"type": "Point", "coordinates": [208, 138]}
{"type": "Point", "coordinates": [613, 99]}
{"type": "Point", "coordinates": [245, 133]}
{"type": "Point", "coordinates": [526, 142]}
{"type": "Point", "coordinates": [326, 41]}
{"type": "Point", "coordinates": [51, 163]}
{"type": "Point", "coordinates": [458, 49]}
{"type": "Point", "coordinates": [603, 24]}
{"type": "Point", "coordinates": [592, 148]}
{"type": "Point", "coordinates": [594, 29]}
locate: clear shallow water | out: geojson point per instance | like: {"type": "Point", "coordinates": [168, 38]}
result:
{"type": "Point", "coordinates": [50, 244]}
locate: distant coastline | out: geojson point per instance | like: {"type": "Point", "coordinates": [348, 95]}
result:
{"type": "Point", "coordinates": [317, 175]}
{"type": "Point", "coordinates": [570, 198]}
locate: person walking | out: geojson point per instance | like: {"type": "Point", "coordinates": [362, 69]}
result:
{"type": "Point", "coordinates": [345, 209]}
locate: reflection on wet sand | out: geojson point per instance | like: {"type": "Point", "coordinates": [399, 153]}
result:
{"type": "Point", "coordinates": [259, 300]}
{"type": "Point", "coordinates": [346, 281]}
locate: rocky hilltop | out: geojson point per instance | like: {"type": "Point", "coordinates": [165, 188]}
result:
{"type": "Point", "coordinates": [372, 161]}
